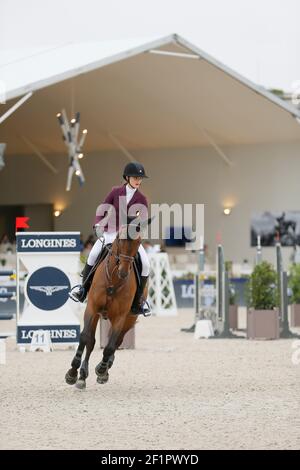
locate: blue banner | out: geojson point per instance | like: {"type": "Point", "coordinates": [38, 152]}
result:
{"type": "Point", "coordinates": [185, 292]}
{"type": "Point", "coordinates": [58, 333]}
{"type": "Point", "coordinates": [48, 242]}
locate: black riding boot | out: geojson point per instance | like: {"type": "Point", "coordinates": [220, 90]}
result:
{"type": "Point", "coordinates": [80, 294]}
{"type": "Point", "coordinates": [140, 305]}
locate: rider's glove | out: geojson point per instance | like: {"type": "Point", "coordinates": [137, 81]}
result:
{"type": "Point", "coordinates": [98, 229]}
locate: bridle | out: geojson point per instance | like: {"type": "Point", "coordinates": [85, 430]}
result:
{"type": "Point", "coordinates": [117, 256]}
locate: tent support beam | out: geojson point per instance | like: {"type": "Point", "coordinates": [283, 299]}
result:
{"type": "Point", "coordinates": [174, 54]}
{"type": "Point", "coordinates": [216, 147]}
{"type": "Point", "coordinates": [39, 154]}
{"type": "Point", "coordinates": [116, 141]}
{"type": "Point", "coordinates": [15, 107]}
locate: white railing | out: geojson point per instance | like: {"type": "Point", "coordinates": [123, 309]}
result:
{"type": "Point", "coordinates": [161, 293]}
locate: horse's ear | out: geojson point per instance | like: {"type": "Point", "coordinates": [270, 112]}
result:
{"type": "Point", "coordinates": [146, 222]}
{"type": "Point", "coordinates": [130, 219]}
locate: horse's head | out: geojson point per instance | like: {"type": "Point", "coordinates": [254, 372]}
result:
{"type": "Point", "coordinates": [128, 241]}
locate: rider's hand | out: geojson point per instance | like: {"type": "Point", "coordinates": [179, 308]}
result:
{"type": "Point", "coordinates": [98, 230]}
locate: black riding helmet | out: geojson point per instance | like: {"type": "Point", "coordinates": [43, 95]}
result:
{"type": "Point", "coordinates": [134, 169]}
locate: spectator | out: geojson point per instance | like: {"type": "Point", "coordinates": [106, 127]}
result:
{"type": "Point", "coordinates": [5, 245]}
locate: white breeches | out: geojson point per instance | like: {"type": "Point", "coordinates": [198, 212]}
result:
{"type": "Point", "coordinates": [109, 238]}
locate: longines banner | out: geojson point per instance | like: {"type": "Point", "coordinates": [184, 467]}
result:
{"type": "Point", "coordinates": [51, 259]}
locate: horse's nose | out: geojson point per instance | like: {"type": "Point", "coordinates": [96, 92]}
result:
{"type": "Point", "coordinates": [123, 274]}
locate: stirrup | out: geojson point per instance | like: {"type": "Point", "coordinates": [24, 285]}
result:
{"type": "Point", "coordinates": [143, 309]}
{"type": "Point", "coordinates": [75, 295]}
{"type": "Point", "coordinates": [146, 306]}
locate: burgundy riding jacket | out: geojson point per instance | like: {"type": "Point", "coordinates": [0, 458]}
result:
{"type": "Point", "coordinates": [117, 198]}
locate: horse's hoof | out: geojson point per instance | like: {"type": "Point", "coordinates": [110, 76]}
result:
{"type": "Point", "coordinates": [80, 384]}
{"type": "Point", "coordinates": [102, 379]}
{"type": "Point", "coordinates": [70, 379]}
{"type": "Point", "coordinates": [98, 371]}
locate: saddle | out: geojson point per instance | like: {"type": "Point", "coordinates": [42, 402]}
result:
{"type": "Point", "coordinates": [137, 266]}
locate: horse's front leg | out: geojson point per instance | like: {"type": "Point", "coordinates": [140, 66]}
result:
{"type": "Point", "coordinates": [84, 369]}
{"type": "Point", "coordinates": [72, 374]}
{"type": "Point", "coordinates": [108, 356]}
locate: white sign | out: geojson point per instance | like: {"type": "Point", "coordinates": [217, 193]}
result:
{"type": "Point", "coordinates": [52, 262]}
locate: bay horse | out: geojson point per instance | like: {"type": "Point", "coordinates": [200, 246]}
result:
{"type": "Point", "coordinates": [111, 295]}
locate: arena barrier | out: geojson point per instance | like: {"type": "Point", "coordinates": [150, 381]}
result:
{"type": "Point", "coordinates": [220, 312]}
{"type": "Point", "coordinates": [222, 299]}
{"type": "Point", "coordinates": [7, 294]}
{"type": "Point", "coordinates": [161, 294]}
{"type": "Point", "coordinates": [7, 273]}
{"type": "Point", "coordinates": [4, 297]}
{"type": "Point", "coordinates": [222, 293]}
{"type": "Point", "coordinates": [282, 279]}
{"type": "Point", "coordinates": [200, 309]}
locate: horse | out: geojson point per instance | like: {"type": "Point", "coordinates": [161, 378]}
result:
{"type": "Point", "coordinates": [111, 295]}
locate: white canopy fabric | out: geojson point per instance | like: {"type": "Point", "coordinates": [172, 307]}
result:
{"type": "Point", "coordinates": [153, 93]}
{"type": "Point", "coordinates": [30, 69]}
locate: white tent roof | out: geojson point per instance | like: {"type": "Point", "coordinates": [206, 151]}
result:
{"type": "Point", "coordinates": [184, 98]}
{"type": "Point", "coordinates": [30, 69]}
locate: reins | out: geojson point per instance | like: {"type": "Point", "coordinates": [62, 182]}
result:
{"type": "Point", "coordinates": [109, 275]}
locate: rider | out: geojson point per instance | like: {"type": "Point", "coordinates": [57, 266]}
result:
{"type": "Point", "coordinates": [133, 174]}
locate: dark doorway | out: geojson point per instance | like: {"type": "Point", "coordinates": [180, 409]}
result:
{"type": "Point", "coordinates": [40, 218]}
{"type": "Point", "coordinates": [8, 216]}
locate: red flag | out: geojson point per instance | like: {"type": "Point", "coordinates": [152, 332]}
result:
{"type": "Point", "coordinates": [21, 222]}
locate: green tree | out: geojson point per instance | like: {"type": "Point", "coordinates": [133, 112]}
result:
{"type": "Point", "coordinates": [262, 287]}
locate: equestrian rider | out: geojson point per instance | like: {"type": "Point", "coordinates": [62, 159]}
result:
{"type": "Point", "coordinates": [133, 174]}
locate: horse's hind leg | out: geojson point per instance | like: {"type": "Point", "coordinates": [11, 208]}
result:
{"type": "Point", "coordinates": [114, 342]}
{"type": "Point", "coordinates": [118, 344]}
{"type": "Point", "coordinates": [84, 370]}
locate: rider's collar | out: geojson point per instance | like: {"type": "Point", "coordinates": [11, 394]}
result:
{"type": "Point", "coordinates": [130, 188]}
